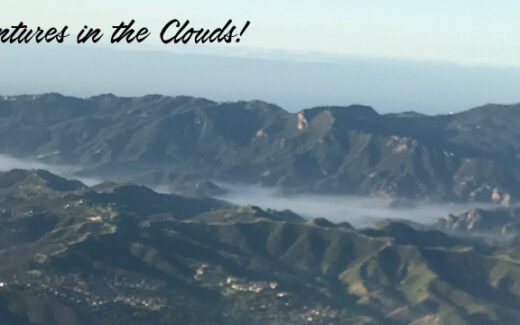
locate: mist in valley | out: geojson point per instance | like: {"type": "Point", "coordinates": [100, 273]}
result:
{"type": "Point", "coordinates": [8, 163]}
{"type": "Point", "coordinates": [357, 210]}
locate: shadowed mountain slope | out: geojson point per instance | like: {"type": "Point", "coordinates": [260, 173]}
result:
{"type": "Point", "coordinates": [158, 140]}
{"type": "Point", "coordinates": [115, 254]}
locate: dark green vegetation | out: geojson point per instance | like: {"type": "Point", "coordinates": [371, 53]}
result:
{"type": "Point", "coordinates": [111, 254]}
{"type": "Point", "coordinates": [181, 141]}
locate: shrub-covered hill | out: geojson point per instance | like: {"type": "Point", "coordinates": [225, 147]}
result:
{"type": "Point", "coordinates": [111, 254]}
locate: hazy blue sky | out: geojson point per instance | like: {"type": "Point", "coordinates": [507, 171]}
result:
{"type": "Point", "coordinates": [461, 31]}
{"type": "Point", "coordinates": [297, 53]}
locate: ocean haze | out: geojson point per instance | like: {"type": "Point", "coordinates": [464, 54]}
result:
{"type": "Point", "coordinates": [293, 82]}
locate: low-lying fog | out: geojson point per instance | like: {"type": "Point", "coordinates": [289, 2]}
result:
{"type": "Point", "coordinates": [7, 163]}
{"type": "Point", "coordinates": [359, 211]}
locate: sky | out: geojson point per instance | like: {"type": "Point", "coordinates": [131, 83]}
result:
{"type": "Point", "coordinates": [428, 56]}
{"type": "Point", "coordinates": [482, 32]}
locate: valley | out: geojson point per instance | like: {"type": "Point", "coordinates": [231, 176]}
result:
{"type": "Point", "coordinates": [124, 254]}
{"type": "Point", "coordinates": [169, 210]}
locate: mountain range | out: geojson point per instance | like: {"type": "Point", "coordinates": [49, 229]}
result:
{"type": "Point", "coordinates": [185, 143]}
{"type": "Point", "coordinates": [124, 254]}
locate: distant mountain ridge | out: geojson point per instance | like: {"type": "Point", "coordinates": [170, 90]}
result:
{"type": "Point", "coordinates": [159, 140]}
